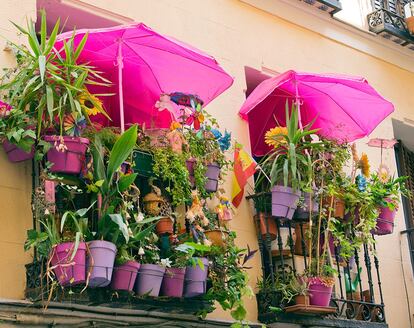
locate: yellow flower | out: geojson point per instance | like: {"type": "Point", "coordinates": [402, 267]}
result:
{"type": "Point", "coordinates": [175, 125]}
{"type": "Point", "coordinates": [275, 137]}
{"type": "Point", "coordinates": [91, 103]}
{"type": "Point", "coordinates": [364, 165]}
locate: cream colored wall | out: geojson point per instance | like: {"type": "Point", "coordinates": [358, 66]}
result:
{"type": "Point", "coordinates": [15, 179]}
{"type": "Point", "coordinates": [237, 35]}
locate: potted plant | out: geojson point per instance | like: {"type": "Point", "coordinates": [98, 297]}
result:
{"type": "Point", "coordinates": [320, 286]}
{"type": "Point", "coordinates": [17, 137]}
{"type": "Point", "coordinates": [197, 271]}
{"type": "Point", "coordinates": [214, 231]}
{"type": "Point", "coordinates": [267, 295]}
{"type": "Point", "coordinates": [50, 86]}
{"type": "Point", "coordinates": [289, 163]}
{"type": "Point", "coordinates": [299, 286]}
{"type": "Point", "coordinates": [110, 183]}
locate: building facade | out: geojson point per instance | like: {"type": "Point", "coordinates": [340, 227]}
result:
{"type": "Point", "coordinates": [250, 39]}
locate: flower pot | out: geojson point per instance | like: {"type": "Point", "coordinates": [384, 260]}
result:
{"type": "Point", "coordinates": [15, 154]}
{"type": "Point", "coordinates": [302, 212]}
{"type": "Point", "coordinates": [143, 163]}
{"type": "Point", "coordinates": [173, 282]}
{"type": "Point", "coordinates": [149, 279]}
{"type": "Point", "coordinates": [385, 221]}
{"type": "Point", "coordinates": [101, 260]}
{"type": "Point", "coordinates": [212, 174]}
{"type": "Point", "coordinates": [124, 276]}
{"type": "Point", "coordinates": [285, 236]}
{"type": "Point", "coordinates": [338, 206]}
{"type": "Point", "coordinates": [69, 160]}
{"type": "Point", "coordinates": [268, 227]}
{"type": "Point", "coordinates": [69, 272]}
{"type": "Point", "coordinates": [217, 237]}
{"type": "Point", "coordinates": [319, 294]}
{"type": "Point", "coordinates": [284, 202]}
{"type": "Point", "coordinates": [164, 226]}
{"type": "Point", "coordinates": [302, 300]}
{"type": "Point", "coordinates": [196, 279]}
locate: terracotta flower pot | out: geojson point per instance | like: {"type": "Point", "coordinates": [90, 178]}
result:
{"type": "Point", "coordinates": [268, 226]}
{"type": "Point", "coordinates": [302, 300]}
{"type": "Point", "coordinates": [165, 226]}
{"type": "Point", "coordinates": [338, 206]}
{"type": "Point", "coordinates": [217, 237]}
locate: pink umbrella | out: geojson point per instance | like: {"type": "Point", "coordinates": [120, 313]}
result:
{"type": "Point", "coordinates": [145, 64]}
{"type": "Point", "coordinates": [346, 108]}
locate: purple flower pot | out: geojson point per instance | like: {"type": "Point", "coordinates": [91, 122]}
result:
{"type": "Point", "coordinates": [101, 260]}
{"type": "Point", "coordinates": [196, 280]}
{"type": "Point", "coordinates": [319, 294]}
{"type": "Point", "coordinates": [70, 160]}
{"type": "Point", "coordinates": [124, 276]}
{"type": "Point", "coordinates": [69, 272]}
{"type": "Point", "coordinates": [385, 221]}
{"type": "Point", "coordinates": [212, 174]}
{"type": "Point", "coordinates": [284, 201]}
{"type": "Point", "coordinates": [15, 154]}
{"type": "Point", "coordinates": [302, 212]}
{"type": "Point", "coordinates": [149, 279]}
{"type": "Point", "coordinates": [173, 283]}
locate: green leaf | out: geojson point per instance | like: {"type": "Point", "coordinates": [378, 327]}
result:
{"type": "Point", "coordinates": [121, 150]}
{"type": "Point", "coordinates": [49, 101]}
{"type": "Point", "coordinates": [125, 181]}
{"type": "Point", "coordinates": [42, 67]}
{"type": "Point", "coordinates": [119, 220]}
{"type": "Point", "coordinates": [239, 313]}
{"type": "Point", "coordinates": [75, 248]}
{"type": "Point", "coordinates": [80, 47]}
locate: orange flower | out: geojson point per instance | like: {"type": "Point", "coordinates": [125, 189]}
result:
{"type": "Point", "coordinates": [364, 165]}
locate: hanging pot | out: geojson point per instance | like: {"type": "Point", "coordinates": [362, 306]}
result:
{"type": "Point", "coordinates": [385, 221]}
{"type": "Point", "coordinates": [124, 276]}
{"type": "Point", "coordinates": [284, 201]}
{"type": "Point", "coordinates": [101, 260]}
{"type": "Point", "coordinates": [268, 226]}
{"type": "Point", "coordinates": [165, 226]}
{"type": "Point", "coordinates": [15, 154]}
{"type": "Point", "coordinates": [217, 237]}
{"type": "Point", "coordinates": [71, 158]}
{"type": "Point", "coordinates": [338, 206]}
{"type": "Point", "coordinates": [302, 212]}
{"type": "Point", "coordinates": [173, 282]}
{"type": "Point", "coordinates": [196, 279]}
{"type": "Point", "coordinates": [67, 271]}
{"type": "Point", "coordinates": [149, 279]}
{"type": "Point", "coordinates": [212, 174]}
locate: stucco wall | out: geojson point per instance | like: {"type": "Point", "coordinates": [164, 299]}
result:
{"type": "Point", "coordinates": [237, 35]}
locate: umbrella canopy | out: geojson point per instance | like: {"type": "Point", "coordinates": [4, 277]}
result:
{"type": "Point", "coordinates": [143, 64]}
{"type": "Point", "coordinates": [345, 108]}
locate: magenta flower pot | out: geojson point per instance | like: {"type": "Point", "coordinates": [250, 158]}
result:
{"type": "Point", "coordinates": [385, 221]}
{"type": "Point", "coordinates": [124, 276]}
{"type": "Point", "coordinates": [196, 280]}
{"type": "Point", "coordinates": [15, 154]}
{"type": "Point", "coordinates": [69, 272]}
{"type": "Point", "coordinates": [173, 282]}
{"type": "Point", "coordinates": [149, 279]}
{"type": "Point", "coordinates": [284, 201]}
{"type": "Point", "coordinates": [319, 294]}
{"type": "Point", "coordinates": [101, 260]}
{"type": "Point", "coordinates": [69, 160]}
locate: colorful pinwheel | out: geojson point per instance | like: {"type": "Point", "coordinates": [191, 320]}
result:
{"type": "Point", "coordinates": [73, 124]}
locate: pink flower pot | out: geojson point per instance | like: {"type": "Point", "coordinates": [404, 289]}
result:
{"type": "Point", "coordinates": [15, 154]}
{"type": "Point", "coordinates": [385, 221]}
{"type": "Point", "coordinates": [196, 279]}
{"type": "Point", "coordinates": [284, 201]}
{"type": "Point", "coordinates": [101, 260]}
{"type": "Point", "coordinates": [69, 272]}
{"type": "Point", "coordinates": [173, 282]}
{"type": "Point", "coordinates": [70, 160]}
{"type": "Point", "coordinates": [124, 276]}
{"type": "Point", "coordinates": [149, 279]}
{"type": "Point", "coordinates": [319, 294]}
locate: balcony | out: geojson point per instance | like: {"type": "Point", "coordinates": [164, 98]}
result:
{"type": "Point", "coordinates": [388, 21]}
{"type": "Point", "coordinates": [330, 6]}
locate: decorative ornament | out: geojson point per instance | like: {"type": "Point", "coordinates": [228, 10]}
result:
{"type": "Point", "coordinates": [74, 124]}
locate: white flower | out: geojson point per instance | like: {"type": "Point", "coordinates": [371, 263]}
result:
{"type": "Point", "coordinates": [166, 263]}
{"type": "Point", "coordinates": [141, 251]}
{"type": "Point", "coordinates": [140, 217]}
{"type": "Point", "coordinates": [47, 212]}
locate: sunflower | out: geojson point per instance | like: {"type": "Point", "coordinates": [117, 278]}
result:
{"type": "Point", "coordinates": [364, 164]}
{"type": "Point", "coordinates": [275, 137]}
{"type": "Point", "coordinates": [91, 103]}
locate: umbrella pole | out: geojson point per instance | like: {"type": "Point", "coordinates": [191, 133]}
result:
{"type": "Point", "coordinates": [120, 89]}
{"type": "Point", "coordinates": [298, 105]}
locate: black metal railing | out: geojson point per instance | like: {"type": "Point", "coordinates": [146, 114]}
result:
{"type": "Point", "coordinates": [284, 249]}
{"type": "Point", "coordinates": [388, 20]}
{"type": "Point", "coordinates": [330, 6]}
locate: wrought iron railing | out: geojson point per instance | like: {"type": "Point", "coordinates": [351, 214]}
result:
{"type": "Point", "coordinates": [388, 20]}
{"type": "Point", "coordinates": [288, 252]}
{"type": "Point", "coordinates": [330, 6]}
